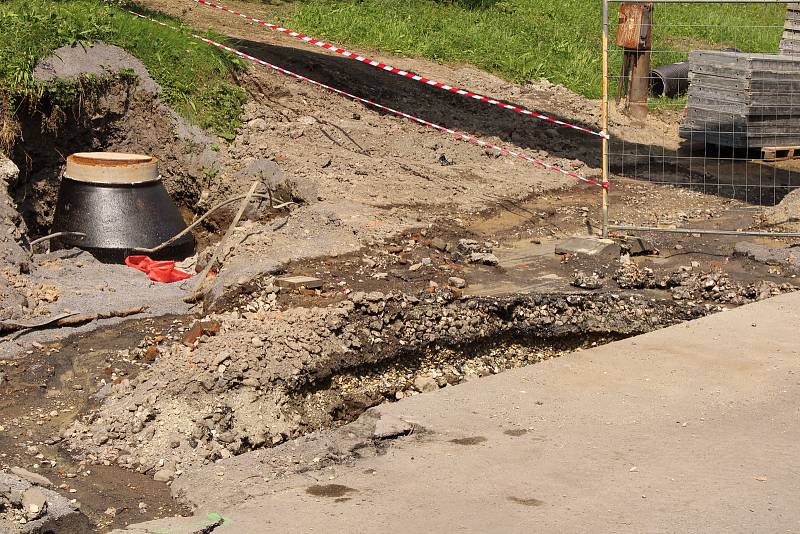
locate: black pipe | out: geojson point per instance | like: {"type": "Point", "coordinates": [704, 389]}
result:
{"type": "Point", "coordinates": [116, 219]}
{"type": "Point", "coordinates": [670, 80]}
{"type": "Point", "coordinates": [673, 80]}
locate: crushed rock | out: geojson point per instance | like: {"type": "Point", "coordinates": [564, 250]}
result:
{"type": "Point", "coordinates": [26, 508]}
{"type": "Point", "coordinates": [587, 281]}
{"type": "Point", "coordinates": [691, 285]}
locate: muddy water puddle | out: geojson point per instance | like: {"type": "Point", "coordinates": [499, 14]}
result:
{"type": "Point", "coordinates": [45, 391]}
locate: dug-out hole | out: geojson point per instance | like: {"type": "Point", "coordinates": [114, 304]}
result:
{"type": "Point", "coordinates": [114, 116]}
{"type": "Point", "coordinates": [343, 397]}
{"type": "Point", "coordinates": [123, 118]}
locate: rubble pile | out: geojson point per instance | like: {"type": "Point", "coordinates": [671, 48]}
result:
{"type": "Point", "coordinates": [784, 216]}
{"type": "Point", "coordinates": [28, 506]}
{"type": "Point", "coordinates": [692, 285]}
{"type": "Point", "coordinates": [257, 381]}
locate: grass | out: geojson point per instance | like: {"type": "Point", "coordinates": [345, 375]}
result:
{"type": "Point", "coordinates": [525, 40]}
{"type": "Point", "coordinates": [520, 40]}
{"type": "Point", "coordinates": [197, 80]}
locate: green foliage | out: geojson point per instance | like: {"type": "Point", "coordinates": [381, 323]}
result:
{"type": "Point", "coordinates": [196, 78]}
{"type": "Point", "coordinates": [531, 39]}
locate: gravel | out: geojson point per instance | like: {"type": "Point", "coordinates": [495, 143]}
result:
{"type": "Point", "coordinates": [691, 284]}
{"type": "Point", "coordinates": [26, 508]}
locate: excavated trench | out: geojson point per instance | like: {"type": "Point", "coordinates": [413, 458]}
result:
{"type": "Point", "coordinates": [494, 335]}
{"type": "Point", "coordinates": [144, 401]}
{"type": "Point", "coordinates": [107, 441]}
{"type": "Point", "coordinates": [344, 396]}
{"type": "Point", "coordinates": [258, 383]}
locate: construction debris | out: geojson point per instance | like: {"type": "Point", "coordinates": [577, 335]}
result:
{"type": "Point", "coordinates": [27, 507]}
{"type": "Point", "coordinates": [732, 99]}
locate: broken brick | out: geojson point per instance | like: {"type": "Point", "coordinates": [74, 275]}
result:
{"type": "Point", "coordinates": [199, 328]}
{"type": "Point", "coordinates": [151, 354]}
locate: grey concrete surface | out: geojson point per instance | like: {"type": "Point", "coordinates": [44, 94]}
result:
{"type": "Point", "coordinates": [693, 428]}
{"type": "Point", "coordinates": [84, 285]}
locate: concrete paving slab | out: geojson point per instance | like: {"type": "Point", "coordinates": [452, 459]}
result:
{"type": "Point", "coordinates": [589, 246]}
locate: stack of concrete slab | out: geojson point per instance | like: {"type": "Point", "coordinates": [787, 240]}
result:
{"type": "Point", "coordinates": [790, 43]}
{"type": "Point", "coordinates": [743, 100]}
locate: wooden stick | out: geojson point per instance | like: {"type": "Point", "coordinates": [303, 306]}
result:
{"type": "Point", "coordinates": [89, 317]}
{"type": "Point", "coordinates": [10, 326]}
{"type": "Point", "coordinates": [69, 319]}
{"type": "Point", "coordinates": [225, 238]}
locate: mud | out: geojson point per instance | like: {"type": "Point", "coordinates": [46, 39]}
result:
{"type": "Point", "coordinates": [72, 281]}
{"type": "Point", "coordinates": [42, 393]}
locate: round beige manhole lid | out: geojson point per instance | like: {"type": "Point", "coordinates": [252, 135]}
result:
{"type": "Point", "coordinates": [112, 168]}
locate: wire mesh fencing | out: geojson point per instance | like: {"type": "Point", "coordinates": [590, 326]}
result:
{"type": "Point", "coordinates": [705, 95]}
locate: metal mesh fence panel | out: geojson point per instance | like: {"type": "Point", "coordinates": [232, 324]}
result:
{"type": "Point", "coordinates": [706, 95]}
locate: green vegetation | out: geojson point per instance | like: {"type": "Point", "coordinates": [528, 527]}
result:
{"type": "Point", "coordinates": [518, 39]}
{"type": "Point", "coordinates": [197, 80]}
{"type": "Point", "coordinates": [531, 39]}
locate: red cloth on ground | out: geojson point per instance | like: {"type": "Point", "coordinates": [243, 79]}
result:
{"type": "Point", "coordinates": [157, 271]}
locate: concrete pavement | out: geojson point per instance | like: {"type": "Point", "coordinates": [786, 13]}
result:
{"type": "Point", "coordinates": [693, 428]}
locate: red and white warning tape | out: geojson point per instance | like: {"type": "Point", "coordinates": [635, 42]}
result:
{"type": "Point", "coordinates": [460, 135]}
{"type": "Point", "coordinates": [400, 72]}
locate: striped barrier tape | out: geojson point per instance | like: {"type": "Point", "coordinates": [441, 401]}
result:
{"type": "Point", "coordinates": [461, 135]}
{"type": "Point", "coordinates": [400, 72]}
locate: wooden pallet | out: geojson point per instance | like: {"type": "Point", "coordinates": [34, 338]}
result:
{"type": "Point", "coordinates": [780, 153]}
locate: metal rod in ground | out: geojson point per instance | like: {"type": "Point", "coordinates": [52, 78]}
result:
{"type": "Point", "coordinates": [54, 236]}
{"type": "Point", "coordinates": [225, 238]}
{"type": "Point", "coordinates": [604, 123]}
{"type": "Point", "coordinates": [743, 233]}
{"type": "Point", "coordinates": [208, 214]}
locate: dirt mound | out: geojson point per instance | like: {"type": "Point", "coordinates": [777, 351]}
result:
{"type": "Point", "coordinates": [99, 59]}
{"type": "Point", "coordinates": [786, 215]}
